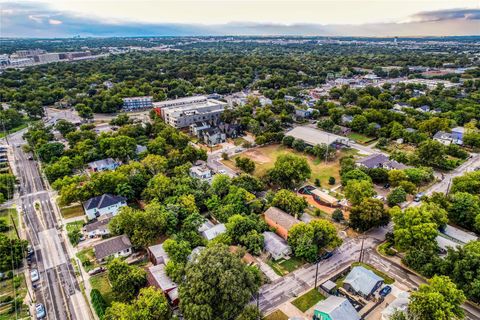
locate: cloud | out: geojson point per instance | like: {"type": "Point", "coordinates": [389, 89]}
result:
{"type": "Point", "coordinates": [451, 14]}
{"type": "Point", "coordinates": [37, 20]}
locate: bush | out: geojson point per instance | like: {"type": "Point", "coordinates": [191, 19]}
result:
{"type": "Point", "coordinates": [317, 182]}
{"type": "Point", "coordinates": [98, 302]}
{"type": "Point", "coordinates": [331, 181]}
{"type": "Point", "coordinates": [225, 156]}
{"type": "Point", "coordinates": [337, 215]}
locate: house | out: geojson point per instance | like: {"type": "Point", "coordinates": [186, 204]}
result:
{"type": "Point", "coordinates": [200, 171]}
{"type": "Point", "coordinates": [139, 149]}
{"type": "Point", "coordinates": [329, 286]}
{"type": "Point", "coordinates": [423, 108]}
{"type": "Point", "coordinates": [98, 228]}
{"type": "Point", "coordinates": [157, 277]}
{"type": "Point", "coordinates": [119, 246]}
{"type": "Point", "coordinates": [157, 254]}
{"type": "Point", "coordinates": [362, 281]}
{"type": "Point", "coordinates": [399, 304]}
{"type": "Point", "coordinates": [197, 128]}
{"type": "Point", "coordinates": [205, 226]}
{"type": "Point", "coordinates": [400, 106]}
{"type": "Point", "coordinates": [376, 125]}
{"type": "Point", "coordinates": [231, 130]}
{"type": "Point", "coordinates": [346, 119]}
{"type": "Point", "coordinates": [276, 246]}
{"type": "Point", "coordinates": [102, 205]}
{"type": "Point", "coordinates": [379, 160]}
{"type": "Point", "coordinates": [195, 252]}
{"type": "Point", "coordinates": [335, 308]}
{"type": "Point", "coordinates": [344, 130]}
{"type": "Point", "coordinates": [457, 134]}
{"type": "Point", "coordinates": [410, 130]}
{"type": "Point", "coordinates": [304, 114]}
{"type": "Point", "coordinates": [324, 197]}
{"type": "Point", "coordinates": [213, 136]}
{"type": "Point", "coordinates": [280, 220]}
{"type": "Point", "coordinates": [103, 165]}
{"type": "Point", "coordinates": [312, 136]}
{"type": "Point", "coordinates": [443, 137]}
{"type": "Point", "coordinates": [214, 231]}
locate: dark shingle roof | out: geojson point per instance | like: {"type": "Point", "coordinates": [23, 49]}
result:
{"type": "Point", "coordinates": [98, 224]}
{"type": "Point", "coordinates": [102, 201]}
{"type": "Point", "coordinates": [111, 246]}
{"type": "Point", "coordinates": [374, 160]}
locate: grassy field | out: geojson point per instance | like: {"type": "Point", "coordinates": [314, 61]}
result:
{"type": "Point", "coordinates": [7, 289]}
{"type": "Point", "coordinates": [386, 278]}
{"type": "Point", "coordinates": [283, 267]}
{"type": "Point", "coordinates": [276, 315]}
{"type": "Point", "coordinates": [73, 211]}
{"type": "Point", "coordinates": [308, 300]}
{"type": "Point", "coordinates": [265, 157]}
{"type": "Point", "coordinates": [359, 138]}
{"type": "Point", "coordinates": [101, 283]}
{"type": "Point", "coordinates": [5, 215]}
{"type": "Point", "coordinates": [87, 258]}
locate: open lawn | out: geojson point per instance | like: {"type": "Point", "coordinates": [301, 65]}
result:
{"type": "Point", "coordinates": [73, 211]}
{"type": "Point", "coordinates": [7, 289]}
{"type": "Point", "coordinates": [359, 138]}
{"type": "Point", "coordinates": [101, 283]}
{"type": "Point", "coordinates": [276, 315]}
{"type": "Point", "coordinates": [265, 157]}
{"type": "Point", "coordinates": [283, 267]}
{"type": "Point", "coordinates": [7, 215]}
{"type": "Point", "coordinates": [308, 300]}
{"type": "Point", "coordinates": [87, 258]}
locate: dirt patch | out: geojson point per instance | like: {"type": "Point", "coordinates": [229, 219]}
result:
{"type": "Point", "coordinates": [257, 156]}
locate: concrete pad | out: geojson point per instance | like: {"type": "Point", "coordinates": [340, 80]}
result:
{"type": "Point", "coordinates": [51, 249]}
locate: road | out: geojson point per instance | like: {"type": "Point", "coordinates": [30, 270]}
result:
{"type": "Point", "coordinates": [58, 289]}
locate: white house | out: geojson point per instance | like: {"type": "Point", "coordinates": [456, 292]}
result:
{"type": "Point", "coordinates": [103, 205]}
{"type": "Point", "coordinates": [276, 246]}
{"type": "Point", "coordinates": [200, 171]}
{"type": "Point", "coordinates": [103, 165]}
{"type": "Point", "coordinates": [214, 231]}
{"type": "Point", "coordinates": [119, 246]}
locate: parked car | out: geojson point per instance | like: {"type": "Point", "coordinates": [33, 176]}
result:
{"type": "Point", "coordinates": [29, 251]}
{"type": "Point", "coordinates": [418, 197]}
{"type": "Point", "coordinates": [221, 171]}
{"type": "Point", "coordinates": [326, 255]}
{"type": "Point", "coordinates": [96, 271]}
{"type": "Point", "coordinates": [385, 291]}
{"type": "Point", "coordinates": [386, 186]}
{"type": "Point", "coordinates": [40, 311]}
{"type": "Point", "coordinates": [34, 275]}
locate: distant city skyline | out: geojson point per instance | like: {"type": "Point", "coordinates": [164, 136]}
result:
{"type": "Point", "coordinates": [55, 18]}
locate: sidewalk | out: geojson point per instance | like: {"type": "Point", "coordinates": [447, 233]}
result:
{"type": "Point", "coordinates": [267, 270]}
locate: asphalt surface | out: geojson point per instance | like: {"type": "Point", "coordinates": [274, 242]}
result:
{"type": "Point", "coordinates": [57, 289]}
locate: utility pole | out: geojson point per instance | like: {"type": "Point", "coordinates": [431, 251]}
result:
{"type": "Point", "coordinates": [361, 250]}
{"type": "Point", "coordinates": [316, 273]}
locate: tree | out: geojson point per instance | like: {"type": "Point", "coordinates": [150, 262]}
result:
{"type": "Point", "coordinates": [289, 170]}
{"type": "Point", "coordinates": [469, 182]}
{"type": "Point", "coordinates": [221, 184]}
{"type": "Point", "coordinates": [289, 202]}
{"type": "Point", "coordinates": [250, 313]}
{"type": "Point", "coordinates": [84, 111]}
{"type": "Point", "coordinates": [178, 251]}
{"type": "Point", "coordinates": [126, 280]}
{"type": "Point", "coordinates": [119, 147]}
{"type": "Point", "coordinates": [12, 252]}
{"type": "Point", "coordinates": [98, 302]}
{"type": "Point", "coordinates": [359, 123]}
{"type": "Point", "coordinates": [431, 153]}
{"type": "Point", "coordinates": [369, 213]}
{"type": "Point", "coordinates": [150, 304]}
{"type": "Point", "coordinates": [288, 141]}
{"type": "Point", "coordinates": [307, 239]}
{"type": "Point", "coordinates": [50, 151]}
{"type": "Point", "coordinates": [355, 190]}
{"type": "Point", "coordinates": [337, 215]}
{"type": "Point", "coordinates": [155, 164]}
{"type": "Point", "coordinates": [438, 300]}
{"type": "Point", "coordinates": [355, 174]}
{"type": "Point", "coordinates": [245, 164]}
{"type": "Point", "coordinates": [398, 195]}
{"type": "Point", "coordinates": [64, 127]}
{"type": "Point", "coordinates": [248, 182]}
{"type": "Point", "coordinates": [417, 227]}
{"type": "Point", "coordinates": [331, 181]}
{"type": "Point", "coordinates": [464, 209]}
{"type": "Point", "coordinates": [217, 285]}
{"type": "Point", "coordinates": [396, 176]}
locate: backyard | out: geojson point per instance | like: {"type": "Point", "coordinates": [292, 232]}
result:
{"type": "Point", "coordinates": [276, 315]}
{"type": "Point", "coordinates": [87, 258]}
{"type": "Point", "coordinates": [283, 267]}
{"type": "Point", "coordinates": [10, 288]}
{"type": "Point", "coordinates": [7, 215]}
{"type": "Point", "coordinates": [308, 300]}
{"type": "Point", "coordinates": [101, 283]}
{"type": "Point", "coordinates": [360, 138]}
{"type": "Point", "coordinates": [265, 157]}
{"type": "Point", "coordinates": [72, 211]}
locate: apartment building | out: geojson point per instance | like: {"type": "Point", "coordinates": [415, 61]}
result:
{"type": "Point", "coordinates": [134, 103]}
{"type": "Point", "coordinates": [181, 113]}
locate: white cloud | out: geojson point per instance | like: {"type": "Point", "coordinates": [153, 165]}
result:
{"type": "Point", "coordinates": [36, 18]}
{"type": "Point", "coordinates": [54, 21]}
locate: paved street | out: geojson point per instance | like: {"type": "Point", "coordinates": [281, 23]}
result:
{"type": "Point", "coordinates": [58, 289]}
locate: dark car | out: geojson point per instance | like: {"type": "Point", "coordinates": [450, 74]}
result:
{"type": "Point", "coordinates": [385, 291]}
{"type": "Point", "coordinates": [325, 255]}
{"type": "Point", "coordinates": [386, 186]}
{"type": "Point", "coordinates": [418, 197]}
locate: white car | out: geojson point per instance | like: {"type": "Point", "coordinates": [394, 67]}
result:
{"type": "Point", "coordinates": [34, 275]}
{"type": "Point", "coordinates": [222, 171]}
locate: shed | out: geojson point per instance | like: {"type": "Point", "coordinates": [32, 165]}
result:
{"type": "Point", "coordinates": [157, 254]}
{"type": "Point", "coordinates": [157, 277]}
{"type": "Point", "coordinates": [329, 286]}
{"type": "Point", "coordinates": [214, 231]}
{"type": "Point", "coordinates": [324, 197]}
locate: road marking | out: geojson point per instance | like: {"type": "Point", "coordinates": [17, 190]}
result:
{"type": "Point", "coordinates": [52, 250]}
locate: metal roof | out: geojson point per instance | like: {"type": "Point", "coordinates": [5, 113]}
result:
{"type": "Point", "coordinates": [314, 136]}
{"type": "Point", "coordinates": [362, 280]}
{"type": "Point", "coordinates": [274, 244]}
{"type": "Point", "coordinates": [338, 308]}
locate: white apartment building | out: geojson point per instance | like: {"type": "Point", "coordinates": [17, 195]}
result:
{"type": "Point", "coordinates": [181, 113]}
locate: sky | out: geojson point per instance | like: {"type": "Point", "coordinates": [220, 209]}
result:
{"type": "Point", "coordinates": [57, 18]}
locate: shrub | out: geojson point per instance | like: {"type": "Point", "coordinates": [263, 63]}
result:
{"type": "Point", "coordinates": [331, 181]}
{"type": "Point", "coordinates": [317, 182]}
{"type": "Point", "coordinates": [337, 215]}
{"type": "Point", "coordinates": [98, 302]}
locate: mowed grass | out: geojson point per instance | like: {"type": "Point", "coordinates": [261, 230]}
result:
{"type": "Point", "coordinates": [87, 258]}
{"type": "Point", "coordinates": [73, 211]}
{"type": "Point", "coordinates": [101, 283]}
{"type": "Point", "coordinates": [360, 138]}
{"type": "Point", "coordinates": [308, 300]}
{"type": "Point", "coordinates": [276, 315]}
{"type": "Point", "coordinates": [283, 267]}
{"type": "Point", "coordinates": [7, 215]}
{"type": "Point", "coordinates": [265, 157]}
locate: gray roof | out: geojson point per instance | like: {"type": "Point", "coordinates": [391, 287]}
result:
{"type": "Point", "coordinates": [274, 244]}
{"type": "Point", "coordinates": [458, 129]}
{"type": "Point", "coordinates": [100, 224]}
{"type": "Point", "coordinates": [411, 130]}
{"type": "Point", "coordinates": [159, 252]}
{"type": "Point", "coordinates": [102, 163]}
{"type": "Point", "coordinates": [380, 160]}
{"type": "Point", "coordinates": [443, 135]}
{"type": "Point", "coordinates": [459, 234]}
{"type": "Point", "coordinates": [314, 136]}
{"type": "Point", "coordinates": [111, 246]}
{"type": "Point", "coordinates": [329, 285]}
{"type": "Point", "coordinates": [338, 308]}
{"type": "Point", "coordinates": [161, 278]}
{"type": "Point", "coordinates": [103, 201]}
{"type": "Point", "coordinates": [400, 304]}
{"type": "Point", "coordinates": [362, 280]}
{"type": "Point", "coordinates": [214, 231]}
